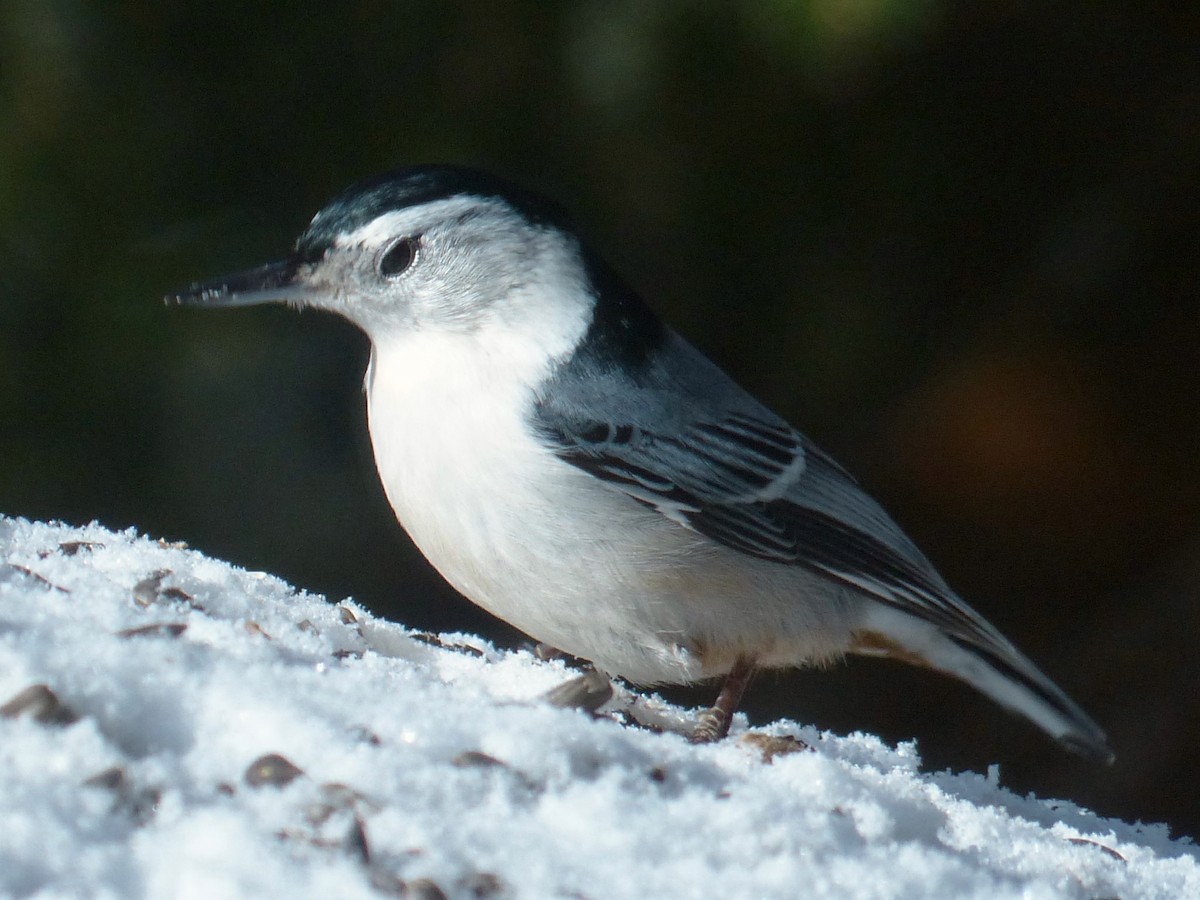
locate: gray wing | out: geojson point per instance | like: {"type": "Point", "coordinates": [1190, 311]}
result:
{"type": "Point", "coordinates": [681, 437]}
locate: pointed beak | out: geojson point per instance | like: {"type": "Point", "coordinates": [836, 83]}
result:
{"type": "Point", "coordinates": [273, 283]}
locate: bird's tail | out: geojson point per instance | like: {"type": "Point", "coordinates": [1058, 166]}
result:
{"type": "Point", "coordinates": [991, 664]}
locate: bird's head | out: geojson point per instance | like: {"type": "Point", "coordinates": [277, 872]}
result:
{"type": "Point", "coordinates": [432, 248]}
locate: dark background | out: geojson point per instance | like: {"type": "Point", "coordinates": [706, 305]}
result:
{"type": "Point", "coordinates": [957, 244]}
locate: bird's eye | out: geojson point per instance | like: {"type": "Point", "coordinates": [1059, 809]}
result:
{"type": "Point", "coordinates": [398, 257]}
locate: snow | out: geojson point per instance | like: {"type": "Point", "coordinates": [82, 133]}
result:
{"type": "Point", "coordinates": [428, 766]}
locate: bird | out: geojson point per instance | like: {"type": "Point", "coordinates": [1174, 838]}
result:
{"type": "Point", "coordinates": [575, 467]}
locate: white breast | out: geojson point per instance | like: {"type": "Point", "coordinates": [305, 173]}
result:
{"type": "Point", "coordinates": [552, 550]}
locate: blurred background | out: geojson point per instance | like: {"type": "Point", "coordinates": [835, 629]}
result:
{"type": "Point", "coordinates": [957, 244]}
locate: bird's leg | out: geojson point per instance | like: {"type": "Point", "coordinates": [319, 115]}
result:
{"type": "Point", "coordinates": [588, 692]}
{"type": "Point", "coordinates": [545, 653]}
{"type": "Point", "coordinates": [713, 723]}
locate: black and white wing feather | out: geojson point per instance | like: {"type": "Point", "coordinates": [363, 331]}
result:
{"type": "Point", "coordinates": [685, 440]}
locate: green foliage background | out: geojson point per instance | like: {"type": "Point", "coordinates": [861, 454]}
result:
{"type": "Point", "coordinates": [955, 243]}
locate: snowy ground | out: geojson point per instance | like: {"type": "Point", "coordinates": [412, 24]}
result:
{"type": "Point", "coordinates": [172, 726]}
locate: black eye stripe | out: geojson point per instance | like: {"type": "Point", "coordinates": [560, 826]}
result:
{"type": "Point", "coordinates": [398, 257]}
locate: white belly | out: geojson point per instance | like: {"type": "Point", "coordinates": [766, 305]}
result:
{"type": "Point", "coordinates": [562, 556]}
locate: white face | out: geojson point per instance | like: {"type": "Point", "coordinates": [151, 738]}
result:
{"type": "Point", "coordinates": [476, 266]}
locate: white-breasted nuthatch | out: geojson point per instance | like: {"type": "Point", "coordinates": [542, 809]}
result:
{"type": "Point", "coordinates": [576, 468]}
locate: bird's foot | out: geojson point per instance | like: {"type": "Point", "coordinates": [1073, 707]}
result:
{"type": "Point", "coordinates": [713, 724]}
